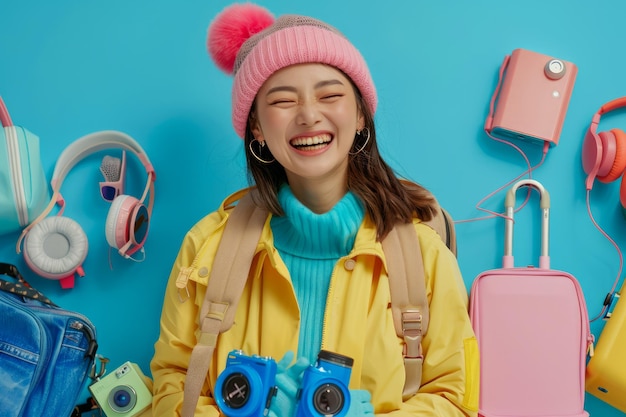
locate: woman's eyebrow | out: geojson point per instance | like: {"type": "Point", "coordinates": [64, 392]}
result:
{"type": "Point", "coordinates": [280, 88]}
{"type": "Point", "coordinates": [293, 89]}
{"type": "Point", "coordinates": [328, 82]}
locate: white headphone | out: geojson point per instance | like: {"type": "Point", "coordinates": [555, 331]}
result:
{"type": "Point", "coordinates": [55, 247]}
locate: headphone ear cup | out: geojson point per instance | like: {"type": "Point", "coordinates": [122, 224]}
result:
{"type": "Point", "coordinates": [126, 224]}
{"type": "Point", "coordinates": [117, 221]}
{"type": "Point", "coordinates": [613, 154]}
{"type": "Point", "coordinates": [56, 247]}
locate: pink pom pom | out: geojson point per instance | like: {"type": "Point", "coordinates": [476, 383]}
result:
{"type": "Point", "coordinates": [231, 28]}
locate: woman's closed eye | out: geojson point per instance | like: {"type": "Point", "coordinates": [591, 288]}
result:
{"type": "Point", "coordinates": [281, 101]}
{"type": "Point", "coordinates": [332, 96]}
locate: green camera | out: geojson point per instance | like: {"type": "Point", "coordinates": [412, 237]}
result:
{"type": "Point", "coordinates": [122, 393]}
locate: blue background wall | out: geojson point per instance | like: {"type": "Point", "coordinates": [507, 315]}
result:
{"type": "Point", "coordinates": [68, 68]}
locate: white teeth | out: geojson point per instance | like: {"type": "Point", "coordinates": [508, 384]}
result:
{"type": "Point", "coordinates": [313, 140]}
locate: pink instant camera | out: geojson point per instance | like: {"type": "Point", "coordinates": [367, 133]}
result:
{"type": "Point", "coordinates": [533, 99]}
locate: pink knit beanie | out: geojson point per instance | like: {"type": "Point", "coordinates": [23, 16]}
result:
{"type": "Point", "coordinates": [245, 40]}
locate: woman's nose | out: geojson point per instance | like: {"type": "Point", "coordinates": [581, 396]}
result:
{"type": "Point", "coordinates": [308, 114]}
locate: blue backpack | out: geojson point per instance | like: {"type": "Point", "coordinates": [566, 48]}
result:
{"type": "Point", "coordinates": [46, 353]}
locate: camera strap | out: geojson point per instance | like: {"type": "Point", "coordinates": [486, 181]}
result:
{"type": "Point", "coordinates": [20, 286]}
{"type": "Point", "coordinates": [89, 406]}
{"type": "Point", "coordinates": [489, 120]}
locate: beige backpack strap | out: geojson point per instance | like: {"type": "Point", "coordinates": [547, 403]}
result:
{"type": "Point", "coordinates": [409, 305]}
{"type": "Point", "coordinates": [225, 286]}
{"type": "Point", "coordinates": [443, 224]}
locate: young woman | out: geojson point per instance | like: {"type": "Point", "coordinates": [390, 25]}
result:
{"type": "Point", "coordinates": [304, 102]}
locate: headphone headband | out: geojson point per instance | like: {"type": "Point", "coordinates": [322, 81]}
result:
{"type": "Point", "coordinates": [612, 105]}
{"type": "Point", "coordinates": [92, 143]}
{"type": "Point", "coordinates": [605, 108]}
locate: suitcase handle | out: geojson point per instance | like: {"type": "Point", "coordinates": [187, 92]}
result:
{"type": "Point", "coordinates": [544, 204]}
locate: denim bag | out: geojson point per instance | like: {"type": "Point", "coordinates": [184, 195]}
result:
{"type": "Point", "coordinates": [46, 353]}
{"type": "Point", "coordinates": [24, 190]}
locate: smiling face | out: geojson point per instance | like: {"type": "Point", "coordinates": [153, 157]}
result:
{"type": "Point", "coordinates": [307, 115]}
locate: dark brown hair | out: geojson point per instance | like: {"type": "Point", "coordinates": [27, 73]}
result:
{"type": "Point", "coordinates": [387, 198]}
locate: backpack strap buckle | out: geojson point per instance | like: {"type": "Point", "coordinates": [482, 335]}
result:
{"type": "Point", "coordinates": [412, 332]}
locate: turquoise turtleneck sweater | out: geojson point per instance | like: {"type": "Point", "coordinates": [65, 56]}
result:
{"type": "Point", "coordinates": [310, 245]}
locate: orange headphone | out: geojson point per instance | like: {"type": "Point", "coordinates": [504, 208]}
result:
{"type": "Point", "coordinates": [604, 153]}
{"type": "Point", "coordinates": [604, 158]}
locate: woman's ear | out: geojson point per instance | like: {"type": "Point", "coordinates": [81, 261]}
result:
{"type": "Point", "coordinates": [254, 127]}
{"type": "Point", "coordinates": [258, 133]}
{"type": "Point", "coordinates": [360, 122]}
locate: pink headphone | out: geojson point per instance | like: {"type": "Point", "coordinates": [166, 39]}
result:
{"type": "Point", "coordinates": [604, 153]}
{"type": "Point", "coordinates": [55, 247]}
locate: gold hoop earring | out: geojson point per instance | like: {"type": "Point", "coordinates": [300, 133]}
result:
{"type": "Point", "coordinates": [367, 139]}
{"type": "Point", "coordinates": [261, 146]}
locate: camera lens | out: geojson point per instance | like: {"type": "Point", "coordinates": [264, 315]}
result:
{"type": "Point", "coordinates": [236, 390]}
{"type": "Point", "coordinates": [122, 398]}
{"type": "Point", "coordinates": [336, 358]}
{"type": "Point", "coordinates": [555, 69]}
{"type": "Point", "coordinates": [328, 399]}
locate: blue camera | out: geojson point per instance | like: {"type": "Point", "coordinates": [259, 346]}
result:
{"type": "Point", "coordinates": [246, 386]}
{"type": "Point", "coordinates": [324, 388]}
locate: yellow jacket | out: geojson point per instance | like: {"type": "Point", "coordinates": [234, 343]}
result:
{"type": "Point", "coordinates": [357, 323]}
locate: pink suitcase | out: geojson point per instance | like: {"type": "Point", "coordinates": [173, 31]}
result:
{"type": "Point", "coordinates": [532, 330]}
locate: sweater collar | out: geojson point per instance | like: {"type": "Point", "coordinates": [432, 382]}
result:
{"type": "Point", "coordinates": [303, 233]}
